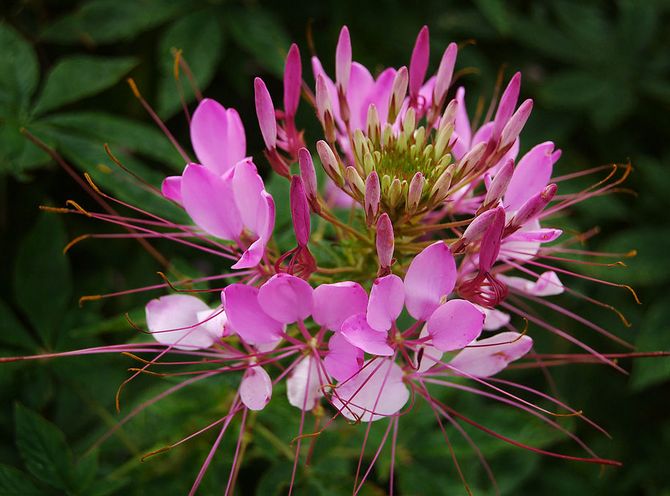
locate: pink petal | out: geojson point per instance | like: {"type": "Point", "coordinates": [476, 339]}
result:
{"type": "Point", "coordinates": [334, 303]}
{"type": "Point", "coordinates": [343, 58]}
{"type": "Point", "coordinates": [265, 224]}
{"type": "Point", "coordinates": [430, 355]}
{"type": "Point", "coordinates": [377, 391]}
{"type": "Point", "coordinates": [292, 80]}
{"type": "Point", "coordinates": [387, 298]}
{"type": "Point", "coordinates": [548, 284]}
{"type": "Point", "coordinates": [343, 359]}
{"type": "Point", "coordinates": [489, 356]}
{"type": "Point", "coordinates": [361, 84]}
{"type": "Point", "coordinates": [444, 72]}
{"type": "Point", "coordinates": [455, 324]}
{"type": "Point", "coordinates": [286, 298]}
{"type": "Point", "coordinates": [173, 320]}
{"type": "Point", "coordinates": [531, 175]}
{"type": "Point", "coordinates": [430, 277]}
{"type": "Point", "coordinates": [357, 331]}
{"type": "Point", "coordinates": [462, 130]}
{"type": "Point", "coordinates": [419, 62]}
{"type": "Point", "coordinates": [303, 387]}
{"type": "Point", "coordinates": [208, 200]}
{"type": "Point", "coordinates": [507, 104]}
{"type": "Point", "coordinates": [318, 71]}
{"type": "Point", "coordinates": [171, 189]}
{"type": "Point", "coordinates": [494, 319]}
{"type": "Point", "coordinates": [256, 388]}
{"type": "Point", "coordinates": [214, 322]}
{"type": "Point", "coordinates": [265, 111]}
{"type": "Point", "coordinates": [246, 316]}
{"type": "Point", "coordinates": [379, 95]}
{"type": "Point", "coordinates": [247, 188]}
{"type": "Point", "coordinates": [217, 136]}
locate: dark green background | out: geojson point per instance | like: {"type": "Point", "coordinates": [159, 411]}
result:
{"type": "Point", "coordinates": [600, 76]}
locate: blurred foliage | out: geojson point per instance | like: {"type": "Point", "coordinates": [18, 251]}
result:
{"type": "Point", "coordinates": [600, 74]}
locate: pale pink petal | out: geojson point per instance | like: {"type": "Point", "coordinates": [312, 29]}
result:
{"type": "Point", "coordinates": [247, 188]}
{"type": "Point", "coordinates": [489, 356]}
{"type": "Point", "coordinates": [518, 247]}
{"type": "Point", "coordinates": [455, 324]}
{"type": "Point", "coordinates": [542, 235]}
{"type": "Point", "coordinates": [548, 284]}
{"type": "Point", "coordinates": [255, 388]}
{"type": "Point", "coordinates": [171, 189]}
{"type": "Point", "coordinates": [357, 331]}
{"type": "Point", "coordinates": [462, 130]}
{"type": "Point", "coordinates": [214, 322]}
{"type": "Point", "coordinates": [343, 58]}
{"type": "Point", "coordinates": [430, 277]}
{"type": "Point", "coordinates": [429, 357]}
{"type": "Point", "coordinates": [173, 320]}
{"type": "Point", "coordinates": [507, 104]}
{"type": "Point", "coordinates": [246, 316]}
{"type": "Point", "coordinates": [334, 303]}
{"type": "Point", "coordinates": [265, 111]}
{"type": "Point", "coordinates": [494, 319]}
{"type": "Point", "coordinates": [217, 136]}
{"type": "Point", "coordinates": [361, 84]}
{"type": "Point", "coordinates": [377, 391]}
{"type": "Point", "coordinates": [387, 298]}
{"type": "Point", "coordinates": [303, 387]}
{"type": "Point", "coordinates": [286, 298]}
{"type": "Point", "coordinates": [318, 71]}
{"type": "Point", "coordinates": [208, 200]}
{"type": "Point", "coordinates": [531, 175]}
{"type": "Point", "coordinates": [343, 359]}
{"type": "Point", "coordinates": [265, 224]}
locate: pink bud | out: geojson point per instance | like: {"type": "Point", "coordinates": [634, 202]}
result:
{"type": "Point", "coordinates": [343, 59]}
{"type": "Point", "coordinates": [515, 124]}
{"type": "Point", "coordinates": [292, 81]}
{"type": "Point", "coordinates": [532, 208]}
{"type": "Point", "coordinates": [490, 245]}
{"type": "Point", "coordinates": [415, 192]}
{"type": "Point", "coordinates": [419, 62]}
{"type": "Point", "coordinates": [322, 99]}
{"type": "Point", "coordinates": [308, 175]}
{"type": "Point", "coordinates": [507, 104]}
{"type": "Point", "coordinates": [266, 114]}
{"type": "Point", "coordinates": [499, 184]}
{"type": "Point", "coordinates": [444, 73]}
{"type": "Point", "coordinates": [398, 92]}
{"type": "Point", "coordinates": [299, 211]}
{"type": "Point", "coordinates": [385, 241]}
{"type": "Point", "coordinates": [328, 160]}
{"type": "Point", "coordinates": [478, 226]}
{"type": "Point", "coordinates": [372, 196]}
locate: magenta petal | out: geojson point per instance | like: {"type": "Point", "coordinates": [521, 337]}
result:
{"type": "Point", "coordinates": [303, 387]}
{"type": "Point", "coordinates": [507, 105]}
{"type": "Point", "coordinates": [247, 188]}
{"type": "Point", "coordinates": [171, 189]}
{"type": "Point", "coordinates": [292, 80]}
{"type": "Point", "coordinates": [246, 316]}
{"type": "Point", "coordinates": [455, 324]}
{"type": "Point", "coordinates": [489, 356]}
{"type": "Point", "coordinates": [256, 388]}
{"type": "Point", "coordinates": [334, 303]}
{"type": "Point", "coordinates": [265, 112]}
{"type": "Point", "coordinates": [531, 175]}
{"type": "Point", "coordinates": [218, 136]}
{"type": "Point", "coordinates": [343, 359]}
{"type": "Point", "coordinates": [208, 200]}
{"type": "Point", "coordinates": [173, 320]}
{"type": "Point", "coordinates": [377, 391]}
{"type": "Point", "coordinates": [361, 84]}
{"type": "Point", "coordinates": [419, 62]}
{"type": "Point", "coordinates": [286, 298]}
{"type": "Point", "coordinates": [430, 277]}
{"type": "Point", "coordinates": [387, 298]}
{"type": "Point", "coordinates": [357, 331]}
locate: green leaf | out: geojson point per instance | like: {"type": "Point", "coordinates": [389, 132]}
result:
{"type": "Point", "coordinates": [18, 68]}
{"type": "Point", "coordinates": [259, 33]}
{"type": "Point", "coordinates": [654, 336]}
{"type": "Point", "coordinates": [118, 132]}
{"type": "Point", "coordinates": [42, 278]}
{"type": "Point", "coordinates": [107, 21]}
{"type": "Point", "coordinates": [572, 89]}
{"type": "Point", "coordinates": [80, 76]}
{"type": "Point", "coordinates": [12, 332]}
{"type": "Point", "coordinates": [85, 471]}
{"type": "Point", "coordinates": [497, 13]}
{"type": "Point", "coordinates": [14, 482]}
{"type": "Point", "coordinates": [43, 448]}
{"type": "Point", "coordinates": [200, 38]}
{"type": "Point", "coordinates": [17, 154]}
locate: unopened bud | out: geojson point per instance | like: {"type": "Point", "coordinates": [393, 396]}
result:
{"type": "Point", "coordinates": [515, 124]}
{"type": "Point", "coordinates": [343, 60]}
{"type": "Point", "coordinates": [355, 182]}
{"type": "Point", "coordinates": [329, 161]}
{"type": "Point", "coordinates": [444, 73]}
{"type": "Point", "coordinates": [415, 192]}
{"type": "Point", "coordinates": [441, 187]}
{"type": "Point", "coordinates": [419, 62]}
{"type": "Point", "coordinates": [265, 112]}
{"type": "Point", "coordinates": [506, 106]}
{"type": "Point", "coordinates": [398, 92]}
{"type": "Point", "coordinates": [532, 208]}
{"type": "Point", "coordinates": [372, 197]}
{"type": "Point", "coordinates": [385, 241]}
{"type": "Point", "coordinates": [308, 175]}
{"type": "Point", "coordinates": [292, 81]}
{"type": "Point", "coordinates": [499, 184]}
{"type": "Point", "coordinates": [299, 211]}
{"type": "Point", "coordinates": [490, 245]}
{"type": "Point", "coordinates": [395, 192]}
{"type": "Point", "coordinates": [373, 124]}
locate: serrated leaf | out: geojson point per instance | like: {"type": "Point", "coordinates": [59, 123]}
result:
{"type": "Point", "coordinates": [106, 21]}
{"type": "Point", "coordinates": [18, 68]}
{"type": "Point", "coordinates": [260, 34]}
{"type": "Point", "coordinates": [200, 38]}
{"type": "Point", "coordinates": [14, 482]}
{"type": "Point", "coordinates": [43, 448]}
{"type": "Point", "coordinates": [42, 278]}
{"type": "Point", "coordinates": [80, 76]}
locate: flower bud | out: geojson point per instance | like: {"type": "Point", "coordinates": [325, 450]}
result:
{"type": "Point", "coordinates": [441, 187]}
{"type": "Point", "coordinates": [292, 81]}
{"type": "Point", "coordinates": [419, 62]}
{"type": "Point", "coordinates": [308, 175]}
{"type": "Point", "coordinates": [515, 124]}
{"type": "Point", "coordinates": [299, 211]}
{"type": "Point", "coordinates": [343, 60]}
{"type": "Point", "coordinates": [372, 197]}
{"type": "Point", "coordinates": [385, 241]}
{"type": "Point", "coordinates": [415, 192]}
{"type": "Point", "coordinates": [444, 73]}
{"type": "Point", "coordinates": [329, 161]}
{"type": "Point", "coordinates": [373, 125]}
{"type": "Point", "coordinates": [490, 245]}
{"type": "Point", "coordinates": [395, 192]}
{"type": "Point", "coordinates": [499, 184]}
{"type": "Point", "coordinates": [506, 106]}
{"type": "Point", "coordinates": [266, 114]}
{"type": "Point", "coordinates": [398, 92]}
{"type": "Point", "coordinates": [355, 182]}
{"type": "Point", "coordinates": [532, 208]}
